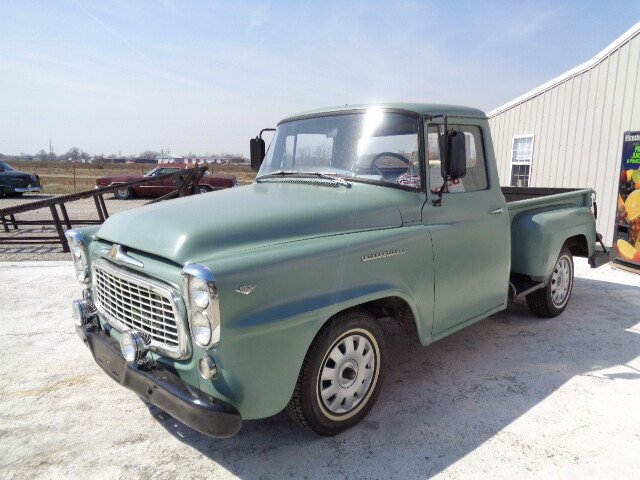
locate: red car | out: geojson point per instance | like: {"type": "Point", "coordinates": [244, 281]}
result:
{"type": "Point", "coordinates": [208, 183]}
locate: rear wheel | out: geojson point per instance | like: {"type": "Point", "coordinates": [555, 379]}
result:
{"type": "Point", "coordinates": [341, 375]}
{"type": "Point", "coordinates": [124, 193]}
{"type": "Point", "coordinates": [551, 300]}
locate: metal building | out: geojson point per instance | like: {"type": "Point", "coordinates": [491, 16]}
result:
{"type": "Point", "coordinates": [569, 131]}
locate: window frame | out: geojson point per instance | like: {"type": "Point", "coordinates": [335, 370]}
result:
{"type": "Point", "coordinates": [420, 119]}
{"type": "Point", "coordinates": [527, 163]}
{"type": "Point", "coordinates": [452, 122]}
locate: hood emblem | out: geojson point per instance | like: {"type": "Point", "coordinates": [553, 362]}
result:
{"type": "Point", "coordinates": [246, 289]}
{"type": "Point", "coordinates": [117, 253]}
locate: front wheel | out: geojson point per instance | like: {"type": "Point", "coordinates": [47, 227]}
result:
{"type": "Point", "coordinates": [341, 375]}
{"type": "Point", "coordinates": [551, 300]}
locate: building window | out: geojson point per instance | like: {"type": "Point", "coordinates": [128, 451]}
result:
{"type": "Point", "coordinates": [521, 157]}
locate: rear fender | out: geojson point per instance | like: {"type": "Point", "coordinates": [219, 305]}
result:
{"type": "Point", "coordinates": [537, 236]}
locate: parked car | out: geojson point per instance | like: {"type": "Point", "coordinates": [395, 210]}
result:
{"type": "Point", "coordinates": [13, 182]}
{"type": "Point", "coordinates": [208, 183]}
{"type": "Point", "coordinates": [273, 302]}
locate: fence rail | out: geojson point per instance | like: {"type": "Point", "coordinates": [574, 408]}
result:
{"type": "Point", "coordinates": [187, 183]}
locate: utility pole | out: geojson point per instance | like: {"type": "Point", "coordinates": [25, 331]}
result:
{"type": "Point", "coordinates": [50, 150]}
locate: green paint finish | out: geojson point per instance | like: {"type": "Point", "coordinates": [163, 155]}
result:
{"type": "Point", "coordinates": [302, 244]}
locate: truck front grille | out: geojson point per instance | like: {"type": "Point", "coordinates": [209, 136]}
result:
{"type": "Point", "coordinates": [130, 301]}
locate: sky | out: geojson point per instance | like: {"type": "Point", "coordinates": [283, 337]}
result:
{"type": "Point", "coordinates": [201, 77]}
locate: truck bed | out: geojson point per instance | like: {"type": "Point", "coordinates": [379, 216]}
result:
{"type": "Point", "coordinates": [542, 221]}
{"type": "Point", "coordinates": [520, 199]}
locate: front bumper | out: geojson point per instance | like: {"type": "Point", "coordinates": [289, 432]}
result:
{"type": "Point", "coordinates": [27, 189]}
{"type": "Point", "coordinates": [160, 387]}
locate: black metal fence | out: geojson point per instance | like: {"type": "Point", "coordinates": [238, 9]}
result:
{"type": "Point", "coordinates": [187, 184]}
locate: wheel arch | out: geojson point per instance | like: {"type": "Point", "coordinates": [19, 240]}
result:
{"type": "Point", "coordinates": [578, 245]}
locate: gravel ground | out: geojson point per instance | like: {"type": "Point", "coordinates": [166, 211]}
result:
{"type": "Point", "coordinates": [84, 209]}
{"type": "Point", "coordinates": [512, 396]}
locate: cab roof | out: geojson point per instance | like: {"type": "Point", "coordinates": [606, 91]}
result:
{"type": "Point", "coordinates": [415, 108]}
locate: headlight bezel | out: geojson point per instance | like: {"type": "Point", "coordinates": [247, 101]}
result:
{"type": "Point", "coordinates": [199, 279]}
{"type": "Point", "coordinates": [77, 247]}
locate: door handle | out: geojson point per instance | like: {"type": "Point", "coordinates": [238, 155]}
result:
{"type": "Point", "coordinates": [496, 211]}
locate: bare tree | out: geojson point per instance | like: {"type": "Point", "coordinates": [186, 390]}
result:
{"type": "Point", "coordinates": [73, 154]}
{"type": "Point", "coordinates": [148, 155]}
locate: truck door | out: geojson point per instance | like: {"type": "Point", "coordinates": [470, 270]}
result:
{"type": "Point", "coordinates": [470, 236]}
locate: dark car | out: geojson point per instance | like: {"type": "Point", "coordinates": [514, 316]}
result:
{"type": "Point", "coordinates": [13, 182]}
{"type": "Point", "coordinates": [208, 183]}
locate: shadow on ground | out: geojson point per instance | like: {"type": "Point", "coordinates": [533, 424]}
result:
{"type": "Point", "coordinates": [441, 402]}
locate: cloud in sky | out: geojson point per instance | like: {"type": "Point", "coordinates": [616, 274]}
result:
{"type": "Point", "coordinates": [206, 76]}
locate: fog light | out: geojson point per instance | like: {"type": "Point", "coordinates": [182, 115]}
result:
{"type": "Point", "coordinates": [82, 311]}
{"type": "Point", "coordinates": [134, 345]}
{"type": "Point", "coordinates": [207, 368]}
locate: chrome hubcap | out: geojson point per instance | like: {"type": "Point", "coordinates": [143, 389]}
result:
{"type": "Point", "coordinates": [561, 280]}
{"type": "Point", "coordinates": [347, 373]}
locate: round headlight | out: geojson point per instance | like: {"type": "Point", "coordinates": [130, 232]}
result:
{"type": "Point", "coordinates": [134, 345]}
{"type": "Point", "coordinates": [80, 263]}
{"type": "Point", "coordinates": [201, 329]}
{"type": "Point", "coordinates": [199, 293]}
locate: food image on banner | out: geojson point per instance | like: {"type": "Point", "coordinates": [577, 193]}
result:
{"type": "Point", "coordinates": [627, 226]}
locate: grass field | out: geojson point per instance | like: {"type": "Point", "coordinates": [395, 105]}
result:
{"type": "Point", "coordinates": [62, 178]}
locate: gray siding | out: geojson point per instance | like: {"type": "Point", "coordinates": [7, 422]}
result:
{"type": "Point", "coordinates": [577, 126]}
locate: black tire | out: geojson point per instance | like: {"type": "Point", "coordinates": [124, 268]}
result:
{"type": "Point", "coordinates": [306, 407]}
{"type": "Point", "coordinates": [124, 193]}
{"type": "Point", "coordinates": [546, 302]}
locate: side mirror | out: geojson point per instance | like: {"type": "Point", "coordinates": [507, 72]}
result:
{"type": "Point", "coordinates": [256, 147]}
{"type": "Point", "coordinates": [453, 150]}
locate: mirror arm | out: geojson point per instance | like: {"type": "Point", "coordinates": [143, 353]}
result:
{"type": "Point", "coordinates": [266, 130]}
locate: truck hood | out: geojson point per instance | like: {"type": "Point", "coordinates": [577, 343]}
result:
{"type": "Point", "coordinates": [190, 229]}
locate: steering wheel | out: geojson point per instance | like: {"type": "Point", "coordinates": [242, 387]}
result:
{"type": "Point", "coordinates": [388, 154]}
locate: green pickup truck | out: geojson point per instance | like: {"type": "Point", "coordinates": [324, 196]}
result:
{"type": "Point", "coordinates": [239, 304]}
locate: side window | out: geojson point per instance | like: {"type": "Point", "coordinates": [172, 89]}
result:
{"type": "Point", "coordinates": [476, 177]}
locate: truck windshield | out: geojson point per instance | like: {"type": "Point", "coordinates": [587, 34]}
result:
{"type": "Point", "coordinates": [372, 146]}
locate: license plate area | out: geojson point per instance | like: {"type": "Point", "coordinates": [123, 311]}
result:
{"type": "Point", "coordinates": [109, 359]}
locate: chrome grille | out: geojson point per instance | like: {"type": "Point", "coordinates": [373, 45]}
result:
{"type": "Point", "coordinates": [130, 301]}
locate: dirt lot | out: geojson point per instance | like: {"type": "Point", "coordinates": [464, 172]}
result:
{"type": "Point", "coordinates": [58, 177]}
{"type": "Point", "coordinates": [510, 397]}
{"type": "Point", "coordinates": [84, 209]}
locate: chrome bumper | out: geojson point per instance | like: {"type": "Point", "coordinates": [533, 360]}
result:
{"type": "Point", "coordinates": [27, 189]}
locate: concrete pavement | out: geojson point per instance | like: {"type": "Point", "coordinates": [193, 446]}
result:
{"type": "Point", "coordinates": [512, 396]}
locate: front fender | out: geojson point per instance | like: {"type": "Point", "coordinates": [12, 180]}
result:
{"type": "Point", "coordinates": [299, 286]}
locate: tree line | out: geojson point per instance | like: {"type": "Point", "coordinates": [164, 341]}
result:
{"type": "Point", "coordinates": [76, 154]}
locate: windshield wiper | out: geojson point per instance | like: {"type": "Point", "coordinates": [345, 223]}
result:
{"type": "Point", "coordinates": [328, 176]}
{"type": "Point", "coordinates": [277, 173]}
